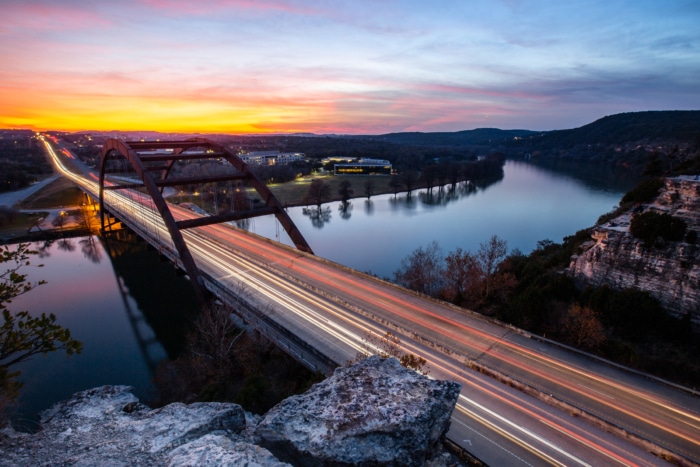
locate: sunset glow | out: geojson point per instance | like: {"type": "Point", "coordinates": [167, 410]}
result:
{"type": "Point", "coordinates": [244, 66]}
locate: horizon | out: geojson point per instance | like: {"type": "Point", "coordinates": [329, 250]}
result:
{"type": "Point", "coordinates": [350, 68]}
{"type": "Point", "coordinates": [93, 131]}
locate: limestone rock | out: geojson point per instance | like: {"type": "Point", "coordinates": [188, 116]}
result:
{"type": "Point", "coordinates": [372, 413]}
{"type": "Point", "coordinates": [218, 450]}
{"type": "Point", "coordinates": [668, 272]}
{"type": "Point", "coordinates": [109, 426]}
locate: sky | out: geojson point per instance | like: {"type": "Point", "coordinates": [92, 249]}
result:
{"type": "Point", "coordinates": [343, 67]}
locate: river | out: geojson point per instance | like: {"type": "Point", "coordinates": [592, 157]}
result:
{"type": "Point", "coordinates": [111, 294]}
{"type": "Point", "coordinates": [530, 203]}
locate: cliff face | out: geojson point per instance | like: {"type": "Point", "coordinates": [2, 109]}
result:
{"type": "Point", "coordinates": [670, 272]}
{"type": "Point", "coordinates": [373, 413]}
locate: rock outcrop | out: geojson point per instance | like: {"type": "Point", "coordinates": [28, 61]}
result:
{"type": "Point", "coordinates": [109, 426]}
{"type": "Point", "coordinates": [669, 272]}
{"type": "Point", "coordinates": [374, 412]}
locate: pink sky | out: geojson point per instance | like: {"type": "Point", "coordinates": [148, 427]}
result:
{"type": "Point", "coordinates": [344, 66]}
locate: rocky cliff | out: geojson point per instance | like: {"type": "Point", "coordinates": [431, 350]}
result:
{"type": "Point", "coordinates": [372, 413]}
{"type": "Point", "coordinates": [669, 271]}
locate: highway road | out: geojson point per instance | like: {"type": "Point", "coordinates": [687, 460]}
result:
{"type": "Point", "coordinates": [358, 304]}
{"type": "Point", "coordinates": [335, 309]}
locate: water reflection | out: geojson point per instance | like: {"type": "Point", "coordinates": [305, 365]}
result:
{"type": "Point", "coordinates": [65, 244]}
{"type": "Point", "coordinates": [528, 204]}
{"type": "Point", "coordinates": [91, 250]}
{"type": "Point", "coordinates": [319, 215]}
{"type": "Point", "coordinates": [369, 207]}
{"type": "Point", "coordinates": [163, 296]}
{"type": "Point", "coordinates": [129, 312]}
{"type": "Point", "coordinates": [598, 176]}
{"type": "Point", "coordinates": [345, 209]}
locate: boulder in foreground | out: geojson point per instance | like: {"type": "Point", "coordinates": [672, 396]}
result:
{"type": "Point", "coordinates": [372, 413]}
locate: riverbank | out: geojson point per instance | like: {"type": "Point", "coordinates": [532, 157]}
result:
{"type": "Point", "coordinates": [37, 208]}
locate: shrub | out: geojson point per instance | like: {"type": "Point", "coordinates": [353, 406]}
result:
{"type": "Point", "coordinates": [649, 226]}
{"type": "Point", "coordinates": [644, 192]}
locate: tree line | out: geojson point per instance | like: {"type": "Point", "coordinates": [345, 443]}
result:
{"type": "Point", "coordinates": [430, 176]}
{"type": "Point", "coordinates": [533, 293]}
{"type": "Point", "coordinates": [22, 161]}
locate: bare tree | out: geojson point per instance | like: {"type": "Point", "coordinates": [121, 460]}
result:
{"type": "Point", "coordinates": [214, 335]}
{"type": "Point", "coordinates": [490, 254]}
{"type": "Point", "coordinates": [318, 193]}
{"type": "Point", "coordinates": [60, 220]}
{"type": "Point", "coordinates": [369, 188]}
{"type": "Point", "coordinates": [396, 184]}
{"type": "Point", "coordinates": [428, 176]}
{"type": "Point", "coordinates": [345, 191]}
{"type": "Point", "coordinates": [409, 179]}
{"type": "Point", "coordinates": [462, 276]}
{"type": "Point", "coordinates": [422, 270]}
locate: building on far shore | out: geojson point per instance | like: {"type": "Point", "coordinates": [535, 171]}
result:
{"type": "Point", "coordinates": [346, 166]}
{"type": "Point", "coordinates": [271, 157]}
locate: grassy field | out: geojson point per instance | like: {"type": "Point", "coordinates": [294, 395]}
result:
{"type": "Point", "coordinates": [292, 193]}
{"type": "Point", "coordinates": [21, 225]}
{"type": "Point", "coordinates": [59, 193]}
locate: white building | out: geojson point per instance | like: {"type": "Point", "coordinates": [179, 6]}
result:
{"type": "Point", "coordinates": [271, 157]}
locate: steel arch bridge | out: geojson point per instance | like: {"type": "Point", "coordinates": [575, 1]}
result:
{"type": "Point", "coordinates": [146, 168]}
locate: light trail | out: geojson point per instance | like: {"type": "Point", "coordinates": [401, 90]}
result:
{"type": "Point", "coordinates": [359, 291]}
{"type": "Point", "coordinates": [230, 256]}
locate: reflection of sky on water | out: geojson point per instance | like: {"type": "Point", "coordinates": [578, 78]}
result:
{"type": "Point", "coordinates": [528, 205]}
{"type": "Point", "coordinates": [85, 297]}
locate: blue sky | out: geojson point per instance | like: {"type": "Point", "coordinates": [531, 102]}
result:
{"type": "Point", "coordinates": [343, 66]}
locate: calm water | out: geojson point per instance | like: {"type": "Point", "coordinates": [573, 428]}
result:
{"type": "Point", "coordinates": [529, 204]}
{"type": "Point", "coordinates": [111, 295]}
{"type": "Point", "coordinates": [112, 304]}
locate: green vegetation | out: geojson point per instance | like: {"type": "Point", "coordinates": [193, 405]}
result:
{"type": "Point", "coordinates": [650, 226]}
{"type": "Point", "coordinates": [629, 127]}
{"type": "Point", "coordinates": [532, 293]}
{"type": "Point", "coordinates": [645, 192]}
{"type": "Point", "coordinates": [15, 224]}
{"type": "Point", "coordinates": [626, 140]}
{"type": "Point", "coordinates": [60, 192]}
{"type": "Point", "coordinates": [23, 336]}
{"type": "Point", "coordinates": [22, 160]}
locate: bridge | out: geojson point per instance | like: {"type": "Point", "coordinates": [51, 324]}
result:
{"type": "Point", "coordinates": [524, 400]}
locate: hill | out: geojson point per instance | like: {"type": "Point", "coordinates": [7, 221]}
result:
{"type": "Point", "coordinates": [477, 137]}
{"type": "Point", "coordinates": [669, 140]}
{"type": "Point", "coordinates": [677, 125]}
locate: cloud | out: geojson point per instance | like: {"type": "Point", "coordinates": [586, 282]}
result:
{"type": "Point", "coordinates": [42, 16]}
{"type": "Point", "coordinates": [189, 8]}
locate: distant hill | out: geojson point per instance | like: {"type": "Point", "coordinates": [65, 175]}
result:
{"type": "Point", "coordinates": [629, 140]}
{"type": "Point", "coordinates": [619, 129]}
{"type": "Point", "coordinates": [678, 125]}
{"type": "Point", "coordinates": [477, 137]}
